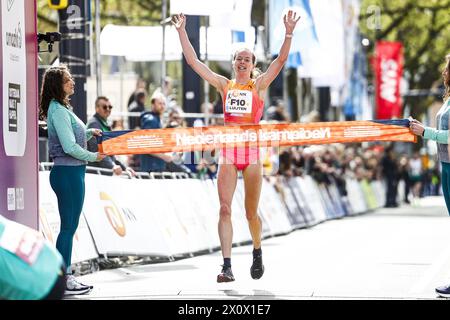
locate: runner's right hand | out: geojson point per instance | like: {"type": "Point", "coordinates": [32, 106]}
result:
{"type": "Point", "coordinates": [179, 21]}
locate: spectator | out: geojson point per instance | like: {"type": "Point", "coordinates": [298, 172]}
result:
{"type": "Point", "coordinates": [390, 173]}
{"type": "Point", "coordinates": [117, 125]}
{"type": "Point", "coordinates": [138, 105]}
{"type": "Point", "coordinates": [218, 110]}
{"type": "Point", "coordinates": [141, 85]}
{"type": "Point", "coordinates": [99, 121]}
{"type": "Point", "coordinates": [277, 112]}
{"type": "Point", "coordinates": [415, 173]}
{"type": "Point", "coordinates": [152, 120]}
{"type": "Point", "coordinates": [175, 119]}
{"type": "Point", "coordinates": [440, 135]}
{"type": "Point", "coordinates": [285, 163]}
{"type": "Point", "coordinates": [201, 164]}
{"type": "Point", "coordinates": [404, 175]}
{"type": "Point", "coordinates": [435, 180]}
{"type": "Point", "coordinates": [168, 91]}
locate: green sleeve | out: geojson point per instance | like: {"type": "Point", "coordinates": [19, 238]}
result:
{"type": "Point", "coordinates": [440, 136]}
{"type": "Point", "coordinates": [89, 134]}
{"type": "Point", "coordinates": [63, 127]}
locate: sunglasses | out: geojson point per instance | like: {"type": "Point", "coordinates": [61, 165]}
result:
{"type": "Point", "coordinates": [107, 107]}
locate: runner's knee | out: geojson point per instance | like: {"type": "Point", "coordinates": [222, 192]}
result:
{"type": "Point", "coordinates": [225, 211]}
{"type": "Point", "coordinates": [251, 215]}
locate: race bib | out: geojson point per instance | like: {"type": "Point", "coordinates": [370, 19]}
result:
{"type": "Point", "coordinates": [239, 101]}
{"type": "Point", "coordinates": [23, 242]}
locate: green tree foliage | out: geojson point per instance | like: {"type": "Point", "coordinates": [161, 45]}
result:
{"type": "Point", "coordinates": [131, 12]}
{"type": "Point", "coordinates": [423, 26]}
{"type": "Point", "coordinates": [119, 12]}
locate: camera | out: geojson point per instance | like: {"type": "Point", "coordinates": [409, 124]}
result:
{"type": "Point", "coordinates": [50, 38]}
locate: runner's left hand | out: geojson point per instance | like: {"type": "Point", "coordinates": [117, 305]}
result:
{"type": "Point", "coordinates": [290, 21]}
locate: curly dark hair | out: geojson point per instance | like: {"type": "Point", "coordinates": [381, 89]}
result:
{"type": "Point", "coordinates": [446, 78]}
{"type": "Point", "coordinates": [52, 88]}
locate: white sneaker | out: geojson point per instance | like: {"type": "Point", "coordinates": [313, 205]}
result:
{"type": "Point", "coordinates": [74, 287]}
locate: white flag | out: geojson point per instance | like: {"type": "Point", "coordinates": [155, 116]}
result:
{"type": "Point", "coordinates": [201, 7]}
{"type": "Point", "coordinates": [238, 19]}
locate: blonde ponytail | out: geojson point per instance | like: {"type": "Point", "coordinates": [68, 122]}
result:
{"type": "Point", "coordinates": [256, 72]}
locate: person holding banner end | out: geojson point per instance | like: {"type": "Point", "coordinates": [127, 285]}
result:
{"type": "Point", "coordinates": [440, 135]}
{"type": "Point", "coordinates": [67, 145]}
{"type": "Point", "coordinates": [243, 104]}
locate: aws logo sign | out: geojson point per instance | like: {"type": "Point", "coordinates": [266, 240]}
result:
{"type": "Point", "coordinates": [115, 215]}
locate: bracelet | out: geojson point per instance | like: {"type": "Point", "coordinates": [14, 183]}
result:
{"type": "Point", "coordinates": [288, 35]}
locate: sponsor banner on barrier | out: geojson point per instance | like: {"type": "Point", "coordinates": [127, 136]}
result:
{"type": "Point", "coordinates": [295, 214]}
{"type": "Point", "coordinates": [336, 200]}
{"type": "Point", "coordinates": [49, 223]}
{"type": "Point", "coordinates": [273, 211]}
{"type": "Point", "coordinates": [369, 194]}
{"type": "Point", "coordinates": [186, 204]}
{"type": "Point", "coordinates": [214, 137]}
{"type": "Point", "coordinates": [331, 210]}
{"type": "Point", "coordinates": [380, 192]}
{"type": "Point", "coordinates": [356, 196]}
{"type": "Point", "coordinates": [301, 200]}
{"type": "Point", "coordinates": [401, 191]}
{"type": "Point", "coordinates": [206, 206]}
{"type": "Point", "coordinates": [122, 215]}
{"type": "Point", "coordinates": [160, 217]}
{"type": "Point", "coordinates": [315, 202]}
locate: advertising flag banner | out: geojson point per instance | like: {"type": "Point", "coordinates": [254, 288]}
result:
{"type": "Point", "coordinates": [201, 7]}
{"type": "Point", "coordinates": [267, 135]}
{"type": "Point", "coordinates": [18, 112]}
{"type": "Point", "coordinates": [388, 65]}
{"type": "Point", "coordinates": [305, 35]}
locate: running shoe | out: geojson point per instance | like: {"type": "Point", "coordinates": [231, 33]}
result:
{"type": "Point", "coordinates": [257, 268]}
{"type": "Point", "coordinates": [73, 287]}
{"type": "Point", "coordinates": [226, 275]}
{"type": "Point", "coordinates": [443, 291]}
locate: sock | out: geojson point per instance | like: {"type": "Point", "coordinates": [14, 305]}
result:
{"type": "Point", "coordinates": [227, 262]}
{"type": "Point", "coordinates": [257, 252]}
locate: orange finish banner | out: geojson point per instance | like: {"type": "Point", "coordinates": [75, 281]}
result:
{"type": "Point", "coordinates": [265, 135]}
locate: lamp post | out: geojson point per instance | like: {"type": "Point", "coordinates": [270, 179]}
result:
{"type": "Point", "coordinates": [164, 21]}
{"type": "Point", "coordinates": [98, 60]}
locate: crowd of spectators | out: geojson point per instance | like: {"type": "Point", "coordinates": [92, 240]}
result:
{"type": "Point", "coordinates": [333, 163]}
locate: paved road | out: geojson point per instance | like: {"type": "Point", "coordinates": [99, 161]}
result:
{"type": "Point", "coordinates": [401, 253]}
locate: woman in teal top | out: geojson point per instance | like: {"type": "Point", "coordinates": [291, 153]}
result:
{"type": "Point", "coordinates": [440, 135]}
{"type": "Point", "coordinates": [67, 144]}
{"type": "Point", "coordinates": [30, 267]}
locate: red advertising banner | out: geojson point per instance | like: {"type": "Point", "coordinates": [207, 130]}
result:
{"type": "Point", "coordinates": [266, 135]}
{"type": "Point", "coordinates": [388, 65]}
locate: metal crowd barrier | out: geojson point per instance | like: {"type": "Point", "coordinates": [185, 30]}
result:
{"type": "Point", "coordinates": [46, 166]}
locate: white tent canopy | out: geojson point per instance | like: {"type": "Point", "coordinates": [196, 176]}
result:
{"type": "Point", "coordinates": [145, 43]}
{"type": "Point", "coordinates": [201, 7]}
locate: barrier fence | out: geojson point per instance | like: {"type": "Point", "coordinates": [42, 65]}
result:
{"type": "Point", "coordinates": [170, 215]}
